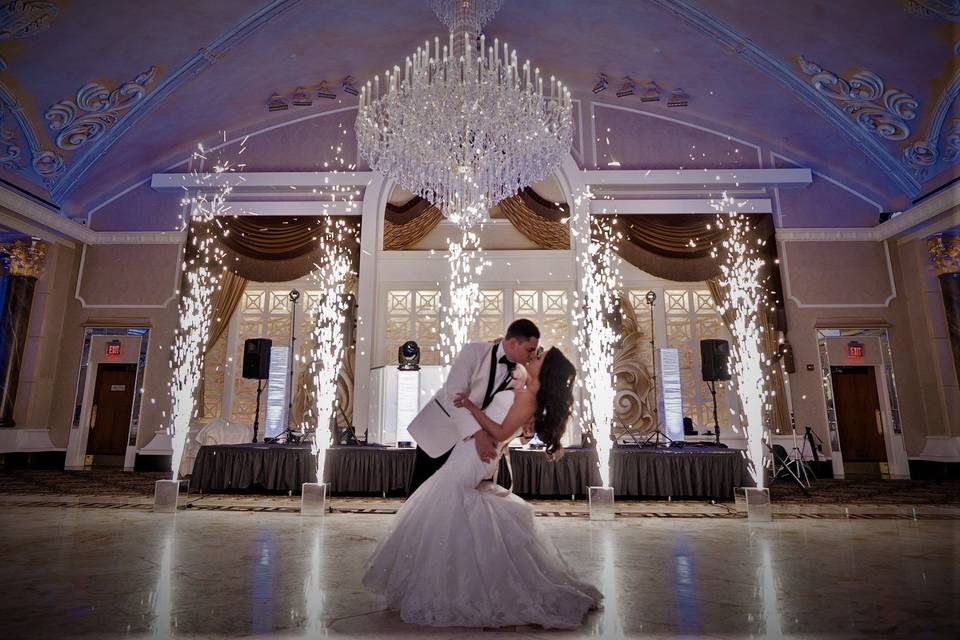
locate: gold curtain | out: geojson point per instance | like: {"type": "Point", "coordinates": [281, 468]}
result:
{"type": "Point", "coordinates": [543, 223]}
{"type": "Point", "coordinates": [224, 302]}
{"type": "Point", "coordinates": [678, 246]}
{"type": "Point", "coordinates": [779, 414]}
{"type": "Point", "coordinates": [397, 236]}
{"type": "Point", "coordinates": [269, 248]}
{"type": "Point", "coordinates": [544, 232]}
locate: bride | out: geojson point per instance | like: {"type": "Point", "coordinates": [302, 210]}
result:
{"type": "Point", "coordinates": [464, 551]}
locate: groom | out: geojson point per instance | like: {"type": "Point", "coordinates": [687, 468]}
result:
{"type": "Point", "coordinates": [481, 370]}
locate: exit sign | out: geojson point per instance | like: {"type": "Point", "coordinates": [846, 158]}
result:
{"type": "Point", "coordinates": [855, 350]}
{"type": "Point", "coordinates": [113, 349]}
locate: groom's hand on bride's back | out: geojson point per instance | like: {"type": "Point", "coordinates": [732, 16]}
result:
{"type": "Point", "coordinates": [486, 445]}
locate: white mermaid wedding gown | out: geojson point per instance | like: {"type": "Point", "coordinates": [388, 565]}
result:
{"type": "Point", "coordinates": [464, 551]}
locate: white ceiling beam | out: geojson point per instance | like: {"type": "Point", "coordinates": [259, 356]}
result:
{"type": "Point", "coordinates": [263, 179]}
{"type": "Point", "coordinates": [31, 218]}
{"type": "Point", "coordinates": [293, 208]}
{"type": "Point", "coordinates": [701, 178]}
{"type": "Point", "coordinates": [913, 222]}
{"type": "Point", "coordinates": [651, 207]}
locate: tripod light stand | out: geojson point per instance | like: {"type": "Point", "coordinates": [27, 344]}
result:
{"type": "Point", "coordinates": [657, 435]}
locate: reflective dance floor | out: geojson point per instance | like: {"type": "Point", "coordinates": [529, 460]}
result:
{"type": "Point", "coordinates": [111, 572]}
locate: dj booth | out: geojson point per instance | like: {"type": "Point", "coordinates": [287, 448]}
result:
{"type": "Point", "coordinates": [689, 472]}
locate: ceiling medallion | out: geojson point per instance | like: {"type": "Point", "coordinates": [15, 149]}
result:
{"type": "Point", "coordinates": [464, 127]}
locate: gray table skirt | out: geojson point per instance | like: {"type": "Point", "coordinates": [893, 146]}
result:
{"type": "Point", "coordinates": [368, 470]}
{"type": "Point", "coordinates": [686, 473]}
{"type": "Point", "coordinates": [246, 466]}
{"type": "Point", "coordinates": [634, 472]}
{"type": "Point", "coordinates": [692, 472]}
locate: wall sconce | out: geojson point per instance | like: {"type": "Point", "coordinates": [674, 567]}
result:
{"type": "Point", "coordinates": [627, 88]}
{"type": "Point", "coordinates": [347, 86]}
{"type": "Point", "coordinates": [651, 92]}
{"type": "Point", "coordinates": [601, 84]}
{"type": "Point", "coordinates": [301, 99]}
{"type": "Point", "coordinates": [323, 91]}
{"type": "Point", "coordinates": [678, 98]}
{"type": "Point", "coordinates": [277, 103]}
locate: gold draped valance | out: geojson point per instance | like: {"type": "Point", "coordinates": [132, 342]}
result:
{"type": "Point", "coordinates": [269, 248]}
{"type": "Point", "coordinates": [544, 223]}
{"type": "Point", "coordinates": [678, 247]}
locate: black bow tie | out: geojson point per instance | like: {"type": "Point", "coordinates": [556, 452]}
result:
{"type": "Point", "coordinates": [510, 365]}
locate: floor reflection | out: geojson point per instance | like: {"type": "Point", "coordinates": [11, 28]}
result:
{"type": "Point", "coordinates": [106, 573]}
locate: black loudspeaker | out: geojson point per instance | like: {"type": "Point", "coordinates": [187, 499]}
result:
{"type": "Point", "coordinates": [256, 358]}
{"type": "Point", "coordinates": [714, 358]}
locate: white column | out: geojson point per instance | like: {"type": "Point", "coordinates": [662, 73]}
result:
{"type": "Point", "coordinates": [371, 239]}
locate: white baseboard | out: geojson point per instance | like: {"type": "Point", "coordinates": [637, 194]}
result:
{"type": "Point", "coordinates": [940, 449]}
{"type": "Point", "coordinates": [26, 440]}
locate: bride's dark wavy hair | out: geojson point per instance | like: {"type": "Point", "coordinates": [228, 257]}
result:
{"type": "Point", "coordinates": [554, 399]}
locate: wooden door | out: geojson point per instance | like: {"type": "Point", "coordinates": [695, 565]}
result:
{"type": "Point", "coordinates": [858, 414]}
{"type": "Point", "coordinates": [112, 404]}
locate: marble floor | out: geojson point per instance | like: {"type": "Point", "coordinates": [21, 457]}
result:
{"type": "Point", "coordinates": [127, 572]}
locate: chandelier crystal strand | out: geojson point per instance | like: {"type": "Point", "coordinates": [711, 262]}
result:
{"type": "Point", "coordinates": [464, 131]}
{"type": "Point", "coordinates": [466, 266]}
{"type": "Point", "coordinates": [201, 276]}
{"type": "Point", "coordinates": [330, 275]}
{"type": "Point", "coordinates": [740, 276]}
{"type": "Point", "coordinates": [596, 300]}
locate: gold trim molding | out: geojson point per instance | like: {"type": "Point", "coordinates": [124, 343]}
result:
{"type": "Point", "coordinates": [25, 257]}
{"type": "Point", "coordinates": [945, 254]}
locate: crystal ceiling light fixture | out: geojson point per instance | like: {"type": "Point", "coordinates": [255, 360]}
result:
{"type": "Point", "coordinates": [461, 124]}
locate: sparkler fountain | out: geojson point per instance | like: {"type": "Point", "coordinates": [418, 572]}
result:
{"type": "Point", "coordinates": [740, 278]}
{"type": "Point", "coordinates": [595, 300]}
{"type": "Point", "coordinates": [466, 266]}
{"type": "Point", "coordinates": [330, 274]}
{"type": "Point", "coordinates": [202, 269]}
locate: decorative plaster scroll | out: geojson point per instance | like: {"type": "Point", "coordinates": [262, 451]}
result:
{"type": "Point", "coordinates": [9, 148]}
{"type": "Point", "coordinates": [951, 143]}
{"type": "Point", "coordinates": [635, 400]}
{"type": "Point", "coordinates": [48, 165]}
{"type": "Point", "coordinates": [95, 110]}
{"type": "Point", "coordinates": [874, 108]}
{"type": "Point", "coordinates": [25, 18]}
{"type": "Point", "coordinates": [945, 9]}
{"type": "Point", "coordinates": [920, 156]}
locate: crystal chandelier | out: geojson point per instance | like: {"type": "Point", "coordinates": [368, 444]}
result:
{"type": "Point", "coordinates": [461, 126]}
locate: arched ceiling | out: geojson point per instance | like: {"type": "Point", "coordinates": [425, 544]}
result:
{"type": "Point", "coordinates": [191, 68]}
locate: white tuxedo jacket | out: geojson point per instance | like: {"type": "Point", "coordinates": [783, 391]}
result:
{"type": "Point", "coordinates": [440, 425]}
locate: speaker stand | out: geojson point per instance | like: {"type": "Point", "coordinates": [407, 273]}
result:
{"type": "Point", "coordinates": [256, 416]}
{"type": "Point", "coordinates": [716, 423]}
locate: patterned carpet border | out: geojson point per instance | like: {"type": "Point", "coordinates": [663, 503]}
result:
{"type": "Point", "coordinates": [621, 515]}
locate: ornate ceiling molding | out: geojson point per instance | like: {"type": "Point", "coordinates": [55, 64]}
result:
{"type": "Point", "coordinates": [10, 149]}
{"type": "Point", "coordinates": [205, 57]}
{"type": "Point", "coordinates": [875, 109]}
{"type": "Point", "coordinates": [781, 72]}
{"type": "Point", "coordinates": [943, 9]}
{"type": "Point", "coordinates": [95, 109]}
{"type": "Point", "coordinates": [25, 18]}
{"type": "Point", "coordinates": [47, 164]}
{"type": "Point", "coordinates": [922, 155]}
